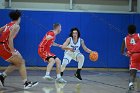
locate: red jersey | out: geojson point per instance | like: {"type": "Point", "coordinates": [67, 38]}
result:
{"type": "Point", "coordinates": [131, 41]}
{"type": "Point", "coordinates": [5, 34]}
{"type": "Point", "coordinates": [5, 51]}
{"type": "Point", "coordinates": [46, 44]}
{"type": "Point", "coordinates": [136, 49]}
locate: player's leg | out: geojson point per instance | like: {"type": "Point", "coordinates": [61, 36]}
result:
{"type": "Point", "coordinates": [58, 70]}
{"type": "Point", "coordinates": [80, 59]}
{"type": "Point", "coordinates": [9, 69]}
{"type": "Point", "coordinates": [58, 67]}
{"type": "Point", "coordinates": [51, 62]}
{"type": "Point", "coordinates": [18, 62]}
{"type": "Point", "coordinates": [65, 62]}
{"type": "Point", "coordinates": [133, 73]}
{"type": "Point", "coordinates": [134, 66]}
{"type": "Point", "coordinates": [15, 60]}
{"type": "Point", "coordinates": [6, 55]}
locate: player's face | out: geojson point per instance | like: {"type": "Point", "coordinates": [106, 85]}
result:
{"type": "Point", "coordinates": [19, 19]}
{"type": "Point", "coordinates": [75, 34]}
{"type": "Point", "coordinates": [59, 29]}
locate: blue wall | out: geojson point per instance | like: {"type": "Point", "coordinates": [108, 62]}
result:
{"type": "Point", "coordinates": [102, 32]}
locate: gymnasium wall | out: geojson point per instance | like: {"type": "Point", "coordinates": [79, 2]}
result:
{"type": "Point", "coordinates": [102, 32]}
{"type": "Point", "coordinates": [93, 5]}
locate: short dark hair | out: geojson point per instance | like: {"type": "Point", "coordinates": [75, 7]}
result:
{"type": "Point", "coordinates": [56, 25]}
{"type": "Point", "coordinates": [71, 32]}
{"type": "Point", "coordinates": [14, 15]}
{"type": "Point", "coordinates": [131, 29]}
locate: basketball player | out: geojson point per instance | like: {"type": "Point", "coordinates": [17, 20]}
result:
{"type": "Point", "coordinates": [132, 43]}
{"type": "Point", "coordinates": [46, 55]}
{"type": "Point", "coordinates": [74, 41]}
{"type": "Point", "coordinates": [9, 53]}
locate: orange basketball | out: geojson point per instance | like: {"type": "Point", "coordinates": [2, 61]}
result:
{"type": "Point", "coordinates": [93, 56]}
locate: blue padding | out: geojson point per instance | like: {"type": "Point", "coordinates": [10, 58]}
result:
{"type": "Point", "coordinates": [102, 32]}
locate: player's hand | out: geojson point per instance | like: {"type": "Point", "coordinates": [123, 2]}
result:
{"type": "Point", "coordinates": [60, 46]}
{"type": "Point", "coordinates": [128, 54]}
{"type": "Point", "coordinates": [125, 54]}
{"type": "Point", "coordinates": [92, 51]}
{"type": "Point", "coordinates": [71, 49]}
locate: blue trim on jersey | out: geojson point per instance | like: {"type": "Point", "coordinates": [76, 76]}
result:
{"type": "Point", "coordinates": [70, 40]}
{"type": "Point", "coordinates": [80, 41]}
{"type": "Point", "coordinates": [76, 42]}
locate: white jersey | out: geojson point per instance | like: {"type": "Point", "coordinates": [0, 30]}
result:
{"type": "Point", "coordinates": [76, 45]}
{"type": "Point", "coordinates": [73, 55]}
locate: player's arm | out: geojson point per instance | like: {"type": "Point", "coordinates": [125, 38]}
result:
{"type": "Point", "coordinates": [58, 45]}
{"type": "Point", "coordinates": [65, 44]}
{"type": "Point", "coordinates": [84, 47]}
{"type": "Point", "coordinates": [123, 48]}
{"type": "Point", "coordinates": [13, 31]}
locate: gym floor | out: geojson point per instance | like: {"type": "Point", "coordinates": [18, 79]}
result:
{"type": "Point", "coordinates": [93, 82]}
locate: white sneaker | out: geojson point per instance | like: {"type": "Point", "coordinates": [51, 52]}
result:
{"type": "Point", "coordinates": [61, 80]}
{"type": "Point", "coordinates": [46, 77]}
{"type": "Point", "coordinates": [29, 84]}
{"type": "Point", "coordinates": [131, 86]}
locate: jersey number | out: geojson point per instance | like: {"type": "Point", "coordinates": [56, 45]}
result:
{"type": "Point", "coordinates": [74, 48]}
{"type": "Point", "coordinates": [132, 41]}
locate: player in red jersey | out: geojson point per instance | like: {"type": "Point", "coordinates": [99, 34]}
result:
{"type": "Point", "coordinates": [9, 53]}
{"type": "Point", "coordinates": [45, 53]}
{"type": "Point", "coordinates": [132, 43]}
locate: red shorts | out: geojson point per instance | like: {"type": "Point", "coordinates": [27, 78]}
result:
{"type": "Point", "coordinates": [45, 54]}
{"type": "Point", "coordinates": [5, 52]}
{"type": "Point", "coordinates": [135, 61]}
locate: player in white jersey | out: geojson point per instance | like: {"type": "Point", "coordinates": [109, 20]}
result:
{"type": "Point", "coordinates": [74, 41]}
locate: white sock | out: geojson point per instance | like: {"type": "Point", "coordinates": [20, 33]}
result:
{"type": "Point", "coordinates": [47, 73]}
{"type": "Point", "coordinates": [130, 84]}
{"type": "Point", "coordinates": [24, 80]}
{"type": "Point", "coordinates": [58, 76]}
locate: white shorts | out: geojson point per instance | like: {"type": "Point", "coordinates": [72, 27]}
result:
{"type": "Point", "coordinates": [71, 55]}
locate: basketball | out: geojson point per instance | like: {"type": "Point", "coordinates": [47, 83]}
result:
{"type": "Point", "coordinates": [93, 56]}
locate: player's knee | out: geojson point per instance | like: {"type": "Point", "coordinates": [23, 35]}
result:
{"type": "Point", "coordinates": [51, 60]}
{"type": "Point", "coordinates": [81, 58]}
{"type": "Point", "coordinates": [58, 61]}
{"type": "Point", "coordinates": [23, 62]}
{"type": "Point", "coordinates": [65, 62]}
{"type": "Point", "coordinates": [20, 63]}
